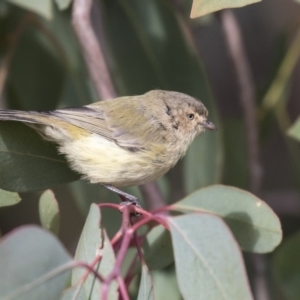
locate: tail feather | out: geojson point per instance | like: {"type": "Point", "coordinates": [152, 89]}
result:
{"type": "Point", "coordinates": [22, 116]}
{"type": "Point", "coordinates": [51, 131]}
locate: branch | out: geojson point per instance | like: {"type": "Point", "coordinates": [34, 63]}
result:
{"type": "Point", "coordinates": [116, 272]}
{"type": "Point", "coordinates": [248, 102]}
{"type": "Point", "coordinates": [152, 196]}
{"type": "Point", "coordinates": [98, 70]}
{"type": "Point", "coordinates": [247, 94]}
{"type": "Point", "coordinates": [91, 49]}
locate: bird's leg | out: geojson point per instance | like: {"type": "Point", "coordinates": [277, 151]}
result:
{"type": "Point", "coordinates": [126, 198]}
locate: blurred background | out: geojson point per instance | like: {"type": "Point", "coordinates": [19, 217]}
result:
{"type": "Point", "coordinates": [155, 45]}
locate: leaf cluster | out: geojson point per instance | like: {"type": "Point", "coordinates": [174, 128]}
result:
{"type": "Point", "coordinates": [202, 242]}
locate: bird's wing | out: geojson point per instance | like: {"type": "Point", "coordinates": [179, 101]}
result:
{"type": "Point", "coordinates": [86, 118]}
{"type": "Point", "coordinates": [95, 121]}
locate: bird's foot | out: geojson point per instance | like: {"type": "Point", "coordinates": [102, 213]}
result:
{"type": "Point", "coordinates": [126, 198]}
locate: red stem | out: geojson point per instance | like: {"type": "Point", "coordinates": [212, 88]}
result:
{"type": "Point", "coordinates": [122, 288]}
{"type": "Point", "coordinates": [122, 253]}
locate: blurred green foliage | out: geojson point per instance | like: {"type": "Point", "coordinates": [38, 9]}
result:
{"type": "Point", "coordinates": [148, 45]}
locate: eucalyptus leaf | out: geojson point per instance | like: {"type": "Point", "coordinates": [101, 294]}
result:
{"type": "Point", "coordinates": [158, 249]}
{"type": "Point", "coordinates": [276, 92]}
{"type": "Point", "coordinates": [236, 158]}
{"type": "Point", "coordinates": [77, 88]}
{"type": "Point", "coordinates": [28, 162]}
{"type": "Point", "coordinates": [208, 262]}
{"type": "Point", "coordinates": [49, 211]}
{"type": "Point", "coordinates": [198, 169]}
{"type": "Point", "coordinates": [203, 7]}
{"type": "Point", "coordinates": [74, 292]}
{"type": "Point", "coordinates": [37, 72]}
{"type": "Point", "coordinates": [63, 4]}
{"type": "Point", "coordinates": [33, 265]}
{"type": "Point", "coordinates": [253, 223]}
{"type": "Point", "coordinates": [286, 267]}
{"type": "Point", "coordinates": [41, 7]}
{"type": "Point", "coordinates": [93, 242]}
{"type": "Point", "coordinates": [88, 247]}
{"type": "Point", "coordinates": [107, 264]}
{"type": "Point", "coordinates": [84, 194]}
{"type": "Point", "coordinates": [146, 285]}
{"type": "Point", "coordinates": [165, 284]}
{"type": "Point", "coordinates": [8, 198]}
{"type": "Point", "coordinates": [294, 131]}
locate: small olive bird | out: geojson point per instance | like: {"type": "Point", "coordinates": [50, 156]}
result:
{"type": "Point", "coordinates": [124, 141]}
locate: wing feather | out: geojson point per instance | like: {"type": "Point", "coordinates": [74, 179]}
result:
{"type": "Point", "coordinates": [110, 121]}
{"type": "Point", "coordinates": [86, 118]}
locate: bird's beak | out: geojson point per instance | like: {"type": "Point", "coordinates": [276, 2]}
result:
{"type": "Point", "coordinates": [209, 125]}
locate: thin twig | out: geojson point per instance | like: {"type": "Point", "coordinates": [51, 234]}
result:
{"type": "Point", "coordinates": [90, 269]}
{"type": "Point", "coordinates": [98, 70]}
{"type": "Point", "coordinates": [242, 68]}
{"type": "Point", "coordinates": [122, 287]}
{"type": "Point", "coordinates": [127, 234]}
{"type": "Point", "coordinates": [152, 195]}
{"type": "Point", "coordinates": [138, 247]}
{"type": "Point", "coordinates": [130, 272]}
{"type": "Point", "coordinates": [91, 49]}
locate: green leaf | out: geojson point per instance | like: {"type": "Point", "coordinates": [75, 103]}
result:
{"type": "Point", "coordinates": [279, 85]}
{"type": "Point", "coordinates": [8, 198]}
{"type": "Point", "coordinates": [203, 7]}
{"type": "Point", "coordinates": [154, 51]}
{"type": "Point", "coordinates": [37, 73]}
{"type": "Point", "coordinates": [165, 284]}
{"type": "Point", "coordinates": [88, 247]}
{"type": "Point", "coordinates": [75, 292]}
{"type": "Point", "coordinates": [198, 169]}
{"type": "Point", "coordinates": [94, 241]}
{"type": "Point", "coordinates": [294, 131]}
{"type": "Point", "coordinates": [37, 262]}
{"type": "Point", "coordinates": [146, 285]}
{"type": "Point", "coordinates": [63, 4]}
{"type": "Point", "coordinates": [77, 87]}
{"type": "Point", "coordinates": [279, 91]}
{"type": "Point", "coordinates": [49, 212]}
{"type": "Point", "coordinates": [287, 267]}
{"type": "Point", "coordinates": [28, 162]}
{"type": "Point", "coordinates": [254, 225]}
{"type": "Point", "coordinates": [41, 7]}
{"type": "Point", "coordinates": [84, 194]}
{"type": "Point", "coordinates": [236, 158]}
{"type": "Point", "coordinates": [208, 262]}
{"type": "Point", "coordinates": [158, 249]}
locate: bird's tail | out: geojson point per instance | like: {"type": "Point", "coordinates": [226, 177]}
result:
{"type": "Point", "coordinates": [32, 117]}
{"type": "Point", "coordinates": [49, 125]}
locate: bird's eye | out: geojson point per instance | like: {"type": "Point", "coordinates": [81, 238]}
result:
{"type": "Point", "coordinates": [191, 116]}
